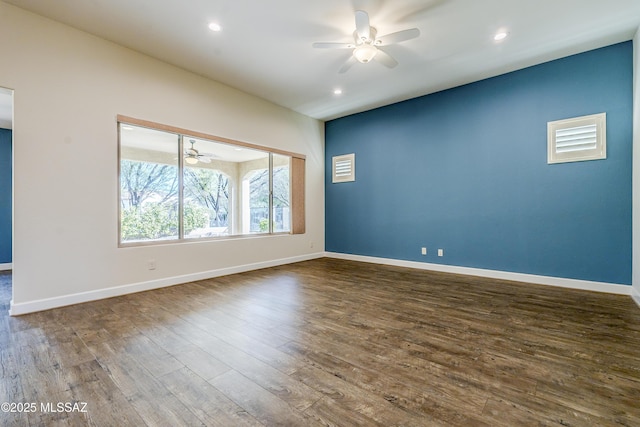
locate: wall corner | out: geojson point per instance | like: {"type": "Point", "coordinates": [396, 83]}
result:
{"type": "Point", "coordinates": [635, 249]}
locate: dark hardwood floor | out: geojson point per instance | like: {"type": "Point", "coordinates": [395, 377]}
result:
{"type": "Point", "coordinates": [327, 342]}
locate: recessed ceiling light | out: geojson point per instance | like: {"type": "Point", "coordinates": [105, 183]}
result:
{"type": "Point", "coordinates": [500, 36]}
{"type": "Point", "coordinates": [214, 26]}
{"type": "Point", "coordinates": [337, 91]}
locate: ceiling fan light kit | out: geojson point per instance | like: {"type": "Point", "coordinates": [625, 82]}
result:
{"type": "Point", "coordinates": [366, 46]}
{"type": "Point", "coordinates": [365, 52]}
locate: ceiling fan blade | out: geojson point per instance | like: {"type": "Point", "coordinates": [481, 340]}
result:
{"type": "Point", "coordinates": [348, 64]}
{"type": "Point", "coordinates": [330, 45]}
{"type": "Point", "coordinates": [204, 159]}
{"type": "Point", "coordinates": [363, 29]}
{"type": "Point", "coordinates": [385, 59]}
{"type": "Point", "coordinates": [398, 37]}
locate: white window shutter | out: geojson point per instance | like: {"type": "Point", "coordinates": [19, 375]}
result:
{"type": "Point", "coordinates": [577, 139]}
{"type": "Point", "coordinates": [344, 168]}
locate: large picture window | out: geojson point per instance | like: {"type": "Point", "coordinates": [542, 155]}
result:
{"type": "Point", "coordinates": [181, 185]}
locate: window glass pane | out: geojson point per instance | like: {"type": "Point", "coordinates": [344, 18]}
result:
{"type": "Point", "coordinates": [281, 215]}
{"type": "Point", "coordinates": [148, 184]}
{"type": "Point", "coordinates": [224, 189]}
{"type": "Point", "coordinates": [208, 178]}
{"type": "Point", "coordinates": [256, 194]}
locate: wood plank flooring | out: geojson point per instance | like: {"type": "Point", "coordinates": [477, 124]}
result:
{"type": "Point", "coordinates": [328, 343]}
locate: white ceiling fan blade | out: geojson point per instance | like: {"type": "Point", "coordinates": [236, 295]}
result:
{"type": "Point", "coordinates": [363, 29]}
{"type": "Point", "coordinates": [204, 159]}
{"type": "Point", "coordinates": [330, 45]}
{"type": "Point", "coordinates": [348, 64]}
{"type": "Point", "coordinates": [398, 37]}
{"type": "Point", "coordinates": [385, 59]}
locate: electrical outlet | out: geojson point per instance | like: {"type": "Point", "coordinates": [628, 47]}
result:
{"type": "Point", "coordinates": [424, 251]}
{"type": "Point", "coordinates": [440, 252]}
{"type": "Point", "coordinates": [151, 264]}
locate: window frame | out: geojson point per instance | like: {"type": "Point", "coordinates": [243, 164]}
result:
{"type": "Point", "coordinates": [296, 183]}
{"type": "Point", "coordinates": [599, 152]}
{"type": "Point", "coordinates": [337, 176]}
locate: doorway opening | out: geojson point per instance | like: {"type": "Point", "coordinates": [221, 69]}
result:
{"type": "Point", "coordinates": [6, 196]}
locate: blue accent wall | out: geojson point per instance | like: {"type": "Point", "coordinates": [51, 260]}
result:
{"type": "Point", "coordinates": [5, 196]}
{"type": "Point", "coordinates": [466, 170]}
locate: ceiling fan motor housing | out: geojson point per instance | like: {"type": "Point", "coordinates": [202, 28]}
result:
{"type": "Point", "coordinates": [365, 50]}
{"type": "Point", "coordinates": [366, 45]}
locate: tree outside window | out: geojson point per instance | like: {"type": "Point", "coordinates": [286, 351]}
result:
{"type": "Point", "coordinates": [175, 187]}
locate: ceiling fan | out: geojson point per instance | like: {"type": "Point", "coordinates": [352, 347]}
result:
{"type": "Point", "coordinates": [193, 156]}
{"type": "Point", "coordinates": [367, 46]}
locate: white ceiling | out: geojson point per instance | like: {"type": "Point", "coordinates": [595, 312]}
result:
{"type": "Point", "coordinates": [265, 46]}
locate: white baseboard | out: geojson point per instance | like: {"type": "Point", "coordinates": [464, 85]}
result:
{"type": "Point", "coordinates": [6, 266]}
{"type": "Point", "coordinates": [635, 294]}
{"type": "Point", "coordinates": [64, 300]}
{"type": "Point", "coordinates": [61, 301]}
{"type": "Point", "coordinates": [493, 274]}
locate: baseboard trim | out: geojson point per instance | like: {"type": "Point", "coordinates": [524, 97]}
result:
{"type": "Point", "coordinates": [6, 266]}
{"type": "Point", "coordinates": [611, 288]}
{"type": "Point", "coordinates": [635, 295]}
{"type": "Point", "coordinates": [64, 300]}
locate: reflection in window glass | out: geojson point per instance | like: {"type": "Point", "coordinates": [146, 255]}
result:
{"type": "Point", "coordinates": [148, 185]}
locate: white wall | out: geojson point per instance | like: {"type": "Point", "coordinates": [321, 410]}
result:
{"type": "Point", "coordinates": [69, 87]}
{"type": "Point", "coordinates": [635, 292]}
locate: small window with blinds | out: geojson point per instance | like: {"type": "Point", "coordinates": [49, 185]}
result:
{"type": "Point", "coordinates": [344, 168]}
{"type": "Point", "coordinates": [577, 139]}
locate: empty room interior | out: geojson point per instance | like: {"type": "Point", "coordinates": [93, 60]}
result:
{"type": "Point", "coordinates": [336, 213]}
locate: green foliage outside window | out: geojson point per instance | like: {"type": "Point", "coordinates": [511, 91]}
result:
{"type": "Point", "coordinates": [153, 221]}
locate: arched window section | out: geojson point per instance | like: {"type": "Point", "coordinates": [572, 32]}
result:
{"type": "Point", "coordinates": [267, 197]}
